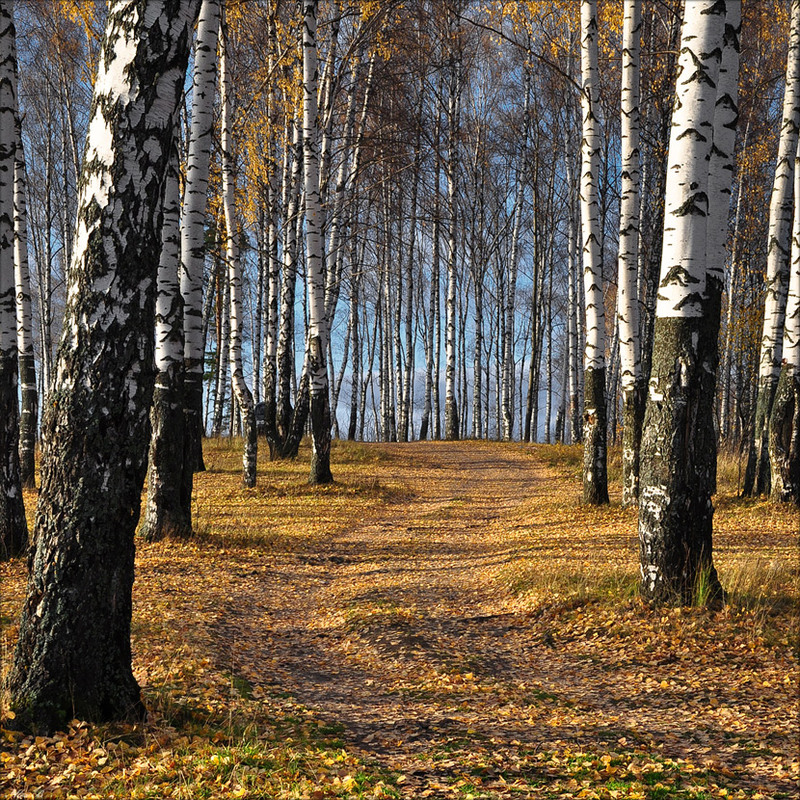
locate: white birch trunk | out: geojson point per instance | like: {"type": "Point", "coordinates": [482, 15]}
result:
{"type": "Point", "coordinates": [678, 456]}
{"type": "Point", "coordinates": [595, 488]}
{"type": "Point", "coordinates": [13, 527]}
{"type": "Point", "coordinates": [784, 432]}
{"type": "Point", "coordinates": [193, 223]}
{"type": "Point", "coordinates": [168, 511]}
{"type": "Point", "coordinates": [27, 368]}
{"type": "Point", "coordinates": [451, 400]}
{"type": "Point", "coordinates": [317, 339]}
{"type": "Point", "coordinates": [627, 288]}
{"type": "Point", "coordinates": [757, 481]}
{"type": "Point", "coordinates": [74, 652]}
{"type": "Point", "coordinates": [243, 395]}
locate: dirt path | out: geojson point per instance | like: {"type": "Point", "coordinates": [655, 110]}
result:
{"type": "Point", "coordinates": [399, 638]}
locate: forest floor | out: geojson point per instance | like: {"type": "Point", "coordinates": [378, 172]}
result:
{"type": "Point", "coordinates": [448, 621]}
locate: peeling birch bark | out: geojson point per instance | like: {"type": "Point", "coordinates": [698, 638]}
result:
{"type": "Point", "coordinates": [73, 656]}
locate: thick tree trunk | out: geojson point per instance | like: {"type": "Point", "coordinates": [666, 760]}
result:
{"type": "Point", "coordinates": [73, 657]}
{"type": "Point", "coordinates": [13, 527]}
{"type": "Point", "coordinates": [678, 455]}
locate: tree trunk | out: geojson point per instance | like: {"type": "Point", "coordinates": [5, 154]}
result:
{"type": "Point", "coordinates": [168, 512]}
{"type": "Point", "coordinates": [757, 478]}
{"type": "Point", "coordinates": [13, 527]}
{"type": "Point", "coordinates": [627, 288]}
{"type": "Point", "coordinates": [27, 370]}
{"type": "Point", "coordinates": [317, 340]}
{"type": "Point", "coordinates": [193, 228]}
{"type": "Point", "coordinates": [244, 398]}
{"type": "Point", "coordinates": [784, 425]}
{"type": "Point", "coordinates": [678, 456]}
{"type": "Point", "coordinates": [73, 656]}
{"type": "Point", "coordinates": [595, 481]}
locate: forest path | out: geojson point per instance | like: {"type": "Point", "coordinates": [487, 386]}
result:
{"type": "Point", "coordinates": [394, 632]}
{"type": "Point", "coordinates": [400, 634]}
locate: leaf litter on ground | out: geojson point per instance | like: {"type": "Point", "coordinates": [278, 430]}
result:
{"type": "Point", "coordinates": [446, 620]}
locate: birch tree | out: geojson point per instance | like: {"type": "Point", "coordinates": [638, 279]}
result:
{"type": "Point", "coordinates": [451, 417]}
{"type": "Point", "coordinates": [317, 340]}
{"type": "Point", "coordinates": [13, 527]}
{"type": "Point", "coordinates": [678, 455]}
{"type": "Point", "coordinates": [757, 477]}
{"type": "Point", "coordinates": [73, 656]}
{"type": "Point", "coordinates": [595, 482]}
{"type": "Point", "coordinates": [166, 510]}
{"type": "Point", "coordinates": [243, 395]}
{"type": "Point", "coordinates": [193, 227]}
{"type": "Point", "coordinates": [784, 430]}
{"type": "Point", "coordinates": [627, 288]}
{"type": "Point", "coordinates": [29, 418]}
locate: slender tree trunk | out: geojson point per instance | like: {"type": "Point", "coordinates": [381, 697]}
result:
{"type": "Point", "coordinates": [627, 288]}
{"type": "Point", "coordinates": [165, 513]}
{"type": "Point", "coordinates": [193, 230]}
{"type": "Point", "coordinates": [27, 370]}
{"type": "Point", "coordinates": [73, 656]}
{"type": "Point", "coordinates": [757, 477]}
{"type": "Point", "coordinates": [784, 425]}
{"type": "Point", "coordinates": [317, 327]}
{"type": "Point", "coordinates": [595, 482]}
{"type": "Point", "coordinates": [13, 527]}
{"type": "Point", "coordinates": [678, 457]}
{"type": "Point", "coordinates": [451, 400]}
{"type": "Point", "coordinates": [244, 398]}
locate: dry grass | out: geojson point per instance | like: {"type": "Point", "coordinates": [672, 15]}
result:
{"type": "Point", "coordinates": [448, 621]}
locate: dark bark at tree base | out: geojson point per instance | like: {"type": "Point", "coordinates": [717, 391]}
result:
{"type": "Point", "coordinates": [595, 474]}
{"type": "Point", "coordinates": [297, 424]}
{"type": "Point", "coordinates": [757, 473]}
{"type": "Point", "coordinates": [28, 422]}
{"type": "Point", "coordinates": [678, 466]}
{"type": "Point", "coordinates": [193, 398]}
{"type": "Point", "coordinates": [451, 422]}
{"type": "Point", "coordinates": [250, 437]}
{"type": "Point", "coordinates": [321, 440]}
{"type": "Point", "coordinates": [632, 418]}
{"type": "Point", "coordinates": [167, 513]}
{"type": "Point", "coordinates": [13, 526]}
{"type": "Point", "coordinates": [320, 411]}
{"type": "Point", "coordinates": [784, 438]}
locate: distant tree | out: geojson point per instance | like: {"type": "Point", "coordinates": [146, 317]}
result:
{"type": "Point", "coordinates": [73, 656]}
